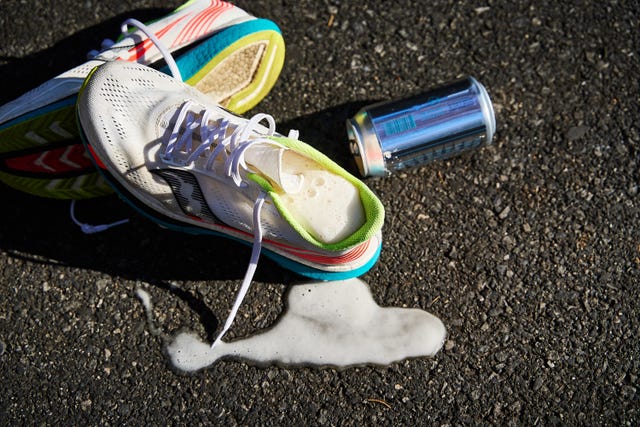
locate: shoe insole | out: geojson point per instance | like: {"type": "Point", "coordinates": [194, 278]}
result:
{"type": "Point", "coordinates": [326, 205]}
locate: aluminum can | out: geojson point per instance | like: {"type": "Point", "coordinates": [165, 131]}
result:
{"type": "Point", "coordinates": [437, 124]}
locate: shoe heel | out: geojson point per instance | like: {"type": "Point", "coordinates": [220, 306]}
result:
{"type": "Point", "coordinates": [238, 67]}
{"type": "Point", "coordinates": [265, 76]}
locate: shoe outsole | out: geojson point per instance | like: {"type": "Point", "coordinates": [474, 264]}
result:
{"type": "Point", "coordinates": [55, 124]}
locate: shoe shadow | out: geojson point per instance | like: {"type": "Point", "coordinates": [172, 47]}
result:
{"type": "Point", "coordinates": [207, 318]}
{"type": "Point", "coordinates": [28, 72]}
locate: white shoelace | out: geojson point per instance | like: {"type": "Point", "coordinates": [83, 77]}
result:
{"type": "Point", "coordinates": [107, 45]}
{"type": "Point", "coordinates": [251, 269]}
{"type": "Point", "coordinates": [216, 144]}
{"type": "Point", "coordinates": [88, 228]}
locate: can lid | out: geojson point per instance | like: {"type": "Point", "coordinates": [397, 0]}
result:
{"type": "Point", "coordinates": [364, 146]}
{"type": "Point", "coordinates": [487, 109]}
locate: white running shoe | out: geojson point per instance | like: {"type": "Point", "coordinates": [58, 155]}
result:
{"type": "Point", "coordinates": [191, 165]}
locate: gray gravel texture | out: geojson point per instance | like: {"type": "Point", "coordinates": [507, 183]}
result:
{"type": "Point", "coordinates": [528, 250]}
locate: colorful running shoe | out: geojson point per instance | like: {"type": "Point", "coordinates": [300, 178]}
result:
{"type": "Point", "coordinates": [220, 49]}
{"type": "Point", "coordinates": [191, 165]}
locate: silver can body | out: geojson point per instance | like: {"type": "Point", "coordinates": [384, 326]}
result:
{"type": "Point", "coordinates": [433, 125]}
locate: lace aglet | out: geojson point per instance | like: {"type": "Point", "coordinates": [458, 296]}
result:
{"type": "Point", "coordinates": [216, 342]}
{"type": "Point", "coordinates": [92, 229]}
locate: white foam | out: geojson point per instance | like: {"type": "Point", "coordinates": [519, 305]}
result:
{"type": "Point", "coordinates": [326, 204]}
{"type": "Point", "coordinates": [145, 299]}
{"type": "Point", "coordinates": [326, 323]}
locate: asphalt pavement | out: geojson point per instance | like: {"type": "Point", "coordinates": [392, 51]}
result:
{"type": "Point", "coordinates": [528, 249]}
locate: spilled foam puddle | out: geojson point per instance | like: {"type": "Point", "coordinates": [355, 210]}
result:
{"type": "Point", "coordinates": [325, 323]}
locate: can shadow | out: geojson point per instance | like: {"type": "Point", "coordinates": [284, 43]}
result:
{"type": "Point", "coordinates": [325, 130]}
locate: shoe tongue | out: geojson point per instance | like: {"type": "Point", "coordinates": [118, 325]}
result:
{"type": "Point", "coordinates": [267, 159]}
